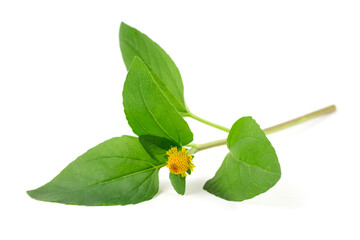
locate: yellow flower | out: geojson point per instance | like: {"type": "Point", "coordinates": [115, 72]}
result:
{"type": "Point", "coordinates": [179, 161]}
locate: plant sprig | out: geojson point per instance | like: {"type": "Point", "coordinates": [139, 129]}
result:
{"type": "Point", "coordinates": [124, 170]}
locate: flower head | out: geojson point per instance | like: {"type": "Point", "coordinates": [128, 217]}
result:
{"type": "Point", "coordinates": [179, 162]}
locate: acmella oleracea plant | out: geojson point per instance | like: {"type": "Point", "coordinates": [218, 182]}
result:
{"type": "Point", "coordinates": [124, 170]}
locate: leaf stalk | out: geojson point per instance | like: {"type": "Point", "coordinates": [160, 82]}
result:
{"type": "Point", "coordinates": [190, 114]}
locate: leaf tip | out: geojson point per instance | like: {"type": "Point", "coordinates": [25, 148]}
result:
{"type": "Point", "coordinates": [123, 25]}
{"type": "Point", "coordinates": [31, 194]}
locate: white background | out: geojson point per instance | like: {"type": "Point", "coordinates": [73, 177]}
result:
{"type": "Point", "coordinates": [61, 76]}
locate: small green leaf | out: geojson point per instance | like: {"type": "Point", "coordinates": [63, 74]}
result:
{"type": "Point", "coordinates": [163, 69]}
{"type": "Point", "coordinates": [178, 182]}
{"type": "Point", "coordinates": [250, 168]}
{"type": "Point", "coordinates": [148, 110]}
{"type": "Point", "coordinates": [117, 171]}
{"type": "Point", "coordinates": [156, 147]}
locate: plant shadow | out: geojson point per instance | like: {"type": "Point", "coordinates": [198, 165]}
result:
{"type": "Point", "coordinates": [281, 195]}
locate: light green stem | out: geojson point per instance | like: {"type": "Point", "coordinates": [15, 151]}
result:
{"type": "Point", "coordinates": [301, 119]}
{"type": "Point", "coordinates": [190, 114]}
{"type": "Point", "coordinates": [210, 145]}
{"type": "Point", "coordinates": [276, 128]}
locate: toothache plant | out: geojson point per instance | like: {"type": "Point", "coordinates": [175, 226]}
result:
{"type": "Point", "coordinates": [124, 170]}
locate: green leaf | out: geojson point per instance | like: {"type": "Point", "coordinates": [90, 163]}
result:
{"type": "Point", "coordinates": [178, 182]}
{"type": "Point", "coordinates": [156, 147]}
{"type": "Point", "coordinates": [148, 110]}
{"type": "Point", "coordinates": [163, 69]}
{"type": "Point", "coordinates": [250, 168]}
{"type": "Point", "coordinates": [117, 171]}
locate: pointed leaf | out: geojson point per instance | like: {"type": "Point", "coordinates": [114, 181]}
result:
{"type": "Point", "coordinates": [163, 69]}
{"type": "Point", "coordinates": [148, 110]}
{"type": "Point", "coordinates": [178, 182]}
{"type": "Point", "coordinates": [250, 168]}
{"type": "Point", "coordinates": [117, 171]}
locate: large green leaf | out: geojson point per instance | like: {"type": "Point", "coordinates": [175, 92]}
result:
{"type": "Point", "coordinates": [163, 69]}
{"type": "Point", "coordinates": [148, 110]}
{"type": "Point", "coordinates": [117, 171]}
{"type": "Point", "coordinates": [250, 168]}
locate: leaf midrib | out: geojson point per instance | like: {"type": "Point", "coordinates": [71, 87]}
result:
{"type": "Point", "coordinates": [117, 178]}
{"type": "Point", "coordinates": [152, 115]}
{"type": "Point", "coordinates": [117, 157]}
{"type": "Point", "coordinates": [130, 174]}
{"type": "Point", "coordinates": [157, 76]}
{"type": "Point", "coordinates": [252, 165]}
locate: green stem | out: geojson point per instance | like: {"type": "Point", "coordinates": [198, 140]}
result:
{"type": "Point", "coordinates": [301, 119]}
{"type": "Point", "coordinates": [276, 128]}
{"type": "Point", "coordinates": [190, 114]}
{"type": "Point", "coordinates": [210, 145]}
{"type": "Point", "coordinates": [192, 145]}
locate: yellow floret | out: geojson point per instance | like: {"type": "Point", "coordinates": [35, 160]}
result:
{"type": "Point", "coordinates": [179, 161]}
